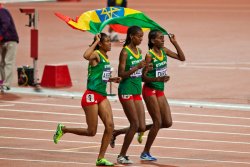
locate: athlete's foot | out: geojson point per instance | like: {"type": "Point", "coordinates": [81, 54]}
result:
{"type": "Point", "coordinates": [147, 157]}
{"type": "Point", "coordinates": [123, 160]}
{"type": "Point", "coordinates": [139, 137]}
{"type": "Point", "coordinates": [58, 134]}
{"type": "Point", "coordinates": [103, 162]}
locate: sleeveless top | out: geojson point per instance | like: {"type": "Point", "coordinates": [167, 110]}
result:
{"type": "Point", "coordinates": [159, 69]}
{"type": "Point", "coordinates": [99, 75]}
{"type": "Point", "coordinates": [132, 84]}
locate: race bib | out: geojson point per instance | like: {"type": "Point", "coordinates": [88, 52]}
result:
{"type": "Point", "coordinates": [90, 98]}
{"type": "Point", "coordinates": [106, 75]}
{"type": "Point", "coordinates": [161, 72]}
{"type": "Point", "coordinates": [136, 74]}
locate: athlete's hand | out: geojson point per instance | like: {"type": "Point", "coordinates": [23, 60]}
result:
{"type": "Point", "coordinates": [172, 38]}
{"type": "Point", "coordinates": [98, 37]}
{"type": "Point", "coordinates": [115, 79]}
{"type": "Point", "coordinates": [163, 79]}
{"type": "Point", "coordinates": [148, 67]}
{"type": "Point", "coordinates": [141, 64]}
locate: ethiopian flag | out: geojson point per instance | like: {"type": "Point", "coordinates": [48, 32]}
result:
{"type": "Point", "coordinates": [118, 18]}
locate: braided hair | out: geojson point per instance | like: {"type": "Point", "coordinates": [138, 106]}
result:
{"type": "Point", "coordinates": [131, 31]}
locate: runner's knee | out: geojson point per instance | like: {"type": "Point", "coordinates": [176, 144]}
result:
{"type": "Point", "coordinates": [109, 127]}
{"type": "Point", "coordinates": [134, 126]}
{"type": "Point", "coordinates": [142, 129]}
{"type": "Point", "coordinates": [157, 124]}
{"type": "Point", "coordinates": [91, 132]}
{"type": "Point", "coordinates": [167, 124]}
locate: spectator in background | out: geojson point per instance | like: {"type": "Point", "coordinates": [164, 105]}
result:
{"type": "Point", "coordinates": [120, 3]}
{"type": "Point", "coordinates": [8, 47]}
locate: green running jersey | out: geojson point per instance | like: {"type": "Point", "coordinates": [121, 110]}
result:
{"type": "Point", "coordinates": [99, 75]}
{"type": "Point", "coordinates": [159, 69]}
{"type": "Point", "coordinates": [132, 84]}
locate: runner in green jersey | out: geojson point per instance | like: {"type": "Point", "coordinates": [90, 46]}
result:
{"type": "Point", "coordinates": [99, 75]}
{"type": "Point", "coordinates": [130, 69]}
{"type": "Point", "coordinates": [132, 84]}
{"type": "Point", "coordinates": [153, 89]}
{"type": "Point", "coordinates": [94, 101]}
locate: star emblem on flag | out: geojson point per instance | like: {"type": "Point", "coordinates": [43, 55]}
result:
{"type": "Point", "coordinates": [110, 12]}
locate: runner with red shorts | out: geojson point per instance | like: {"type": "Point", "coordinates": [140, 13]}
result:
{"type": "Point", "coordinates": [130, 88]}
{"type": "Point", "coordinates": [94, 101]}
{"type": "Point", "coordinates": [153, 89]}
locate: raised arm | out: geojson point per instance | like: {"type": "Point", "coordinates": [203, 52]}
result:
{"type": "Point", "coordinates": [90, 53]}
{"type": "Point", "coordinates": [179, 55]}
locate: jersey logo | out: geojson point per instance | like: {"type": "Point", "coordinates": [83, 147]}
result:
{"type": "Point", "coordinates": [126, 96]}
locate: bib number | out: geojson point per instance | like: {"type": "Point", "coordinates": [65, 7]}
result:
{"type": "Point", "coordinates": [106, 75]}
{"type": "Point", "coordinates": [161, 72]}
{"type": "Point", "coordinates": [90, 98]}
{"type": "Point", "coordinates": [136, 74]}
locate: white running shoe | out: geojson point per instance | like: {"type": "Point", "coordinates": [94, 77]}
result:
{"type": "Point", "coordinates": [123, 160]}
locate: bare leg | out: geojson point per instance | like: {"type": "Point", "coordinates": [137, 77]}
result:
{"type": "Point", "coordinates": [130, 111]}
{"type": "Point", "coordinates": [154, 111]}
{"type": "Point", "coordinates": [106, 116]}
{"type": "Point", "coordinates": [91, 113]}
{"type": "Point", "coordinates": [165, 112]}
{"type": "Point", "coordinates": [141, 115]}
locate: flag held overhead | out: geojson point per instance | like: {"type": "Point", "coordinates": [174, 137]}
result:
{"type": "Point", "coordinates": [118, 18]}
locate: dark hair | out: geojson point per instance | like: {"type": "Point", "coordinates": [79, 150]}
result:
{"type": "Point", "coordinates": [152, 35]}
{"type": "Point", "coordinates": [131, 31]}
{"type": "Point", "coordinates": [103, 36]}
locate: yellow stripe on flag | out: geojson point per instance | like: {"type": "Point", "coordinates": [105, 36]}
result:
{"type": "Point", "coordinates": [84, 19]}
{"type": "Point", "coordinates": [128, 11]}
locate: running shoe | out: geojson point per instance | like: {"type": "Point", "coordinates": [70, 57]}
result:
{"type": "Point", "coordinates": [147, 157]}
{"type": "Point", "coordinates": [112, 141]}
{"type": "Point", "coordinates": [139, 137]}
{"type": "Point", "coordinates": [123, 160]}
{"type": "Point", "coordinates": [58, 134]}
{"type": "Point", "coordinates": [103, 162]}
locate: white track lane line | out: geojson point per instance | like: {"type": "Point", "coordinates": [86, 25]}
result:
{"type": "Point", "coordinates": [118, 109]}
{"type": "Point", "coordinates": [132, 145]}
{"type": "Point", "coordinates": [180, 103]}
{"type": "Point", "coordinates": [163, 157]}
{"type": "Point", "coordinates": [197, 140]}
{"type": "Point", "coordinates": [180, 122]}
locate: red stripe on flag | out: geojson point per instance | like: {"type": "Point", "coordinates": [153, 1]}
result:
{"type": "Point", "coordinates": [119, 28]}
